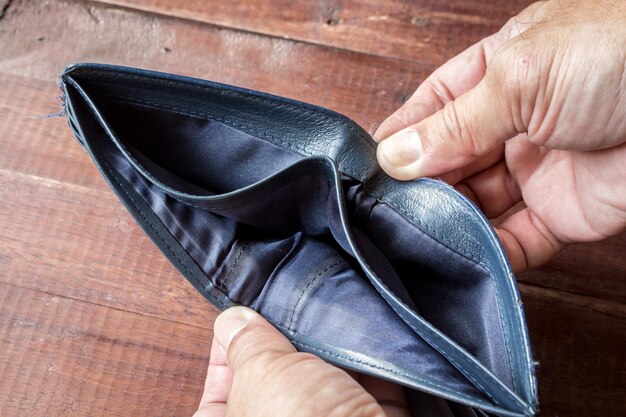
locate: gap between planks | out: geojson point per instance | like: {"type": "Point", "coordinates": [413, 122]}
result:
{"type": "Point", "coordinates": [138, 8]}
{"type": "Point", "coordinates": [132, 312]}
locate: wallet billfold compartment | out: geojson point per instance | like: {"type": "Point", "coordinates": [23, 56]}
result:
{"type": "Point", "coordinates": [279, 205]}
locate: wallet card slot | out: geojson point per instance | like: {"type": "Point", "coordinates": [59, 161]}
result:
{"type": "Point", "coordinates": [314, 278]}
{"type": "Point", "coordinates": [239, 204]}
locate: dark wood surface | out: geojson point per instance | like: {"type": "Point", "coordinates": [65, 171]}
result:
{"type": "Point", "coordinates": [95, 322]}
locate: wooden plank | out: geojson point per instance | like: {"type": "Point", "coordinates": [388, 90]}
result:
{"type": "Point", "coordinates": [596, 269]}
{"type": "Point", "coordinates": [424, 30]}
{"type": "Point", "coordinates": [580, 344]}
{"type": "Point", "coordinates": [364, 87]}
{"type": "Point", "coordinates": [81, 243]}
{"type": "Point", "coordinates": [59, 356]}
{"type": "Point", "coordinates": [63, 233]}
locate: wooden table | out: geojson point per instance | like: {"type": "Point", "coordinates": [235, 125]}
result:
{"type": "Point", "coordinates": [95, 322]}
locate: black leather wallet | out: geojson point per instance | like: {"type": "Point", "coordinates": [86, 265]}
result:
{"type": "Point", "coordinates": [280, 206]}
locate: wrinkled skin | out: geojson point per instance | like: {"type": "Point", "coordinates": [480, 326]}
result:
{"type": "Point", "coordinates": [530, 123]}
{"type": "Point", "coordinates": [534, 114]}
{"type": "Point", "coordinates": [254, 371]}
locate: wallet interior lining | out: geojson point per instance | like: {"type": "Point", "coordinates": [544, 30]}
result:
{"type": "Point", "coordinates": [266, 271]}
{"type": "Point", "coordinates": [255, 255]}
{"type": "Point", "coordinates": [453, 293]}
{"type": "Point", "coordinates": [303, 283]}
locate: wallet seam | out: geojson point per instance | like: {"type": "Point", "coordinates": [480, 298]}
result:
{"type": "Point", "coordinates": [225, 282]}
{"type": "Point", "coordinates": [380, 198]}
{"type": "Point", "coordinates": [304, 291]}
{"type": "Point", "coordinates": [381, 367]}
{"type": "Point", "coordinates": [416, 221]}
{"type": "Point", "coordinates": [249, 96]}
{"type": "Point", "coordinates": [163, 240]}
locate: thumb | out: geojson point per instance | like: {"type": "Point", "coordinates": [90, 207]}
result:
{"type": "Point", "coordinates": [459, 133]}
{"type": "Point", "coordinates": [271, 379]}
{"type": "Point", "coordinates": [241, 333]}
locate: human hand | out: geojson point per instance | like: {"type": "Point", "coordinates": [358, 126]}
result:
{"type": "Point", "coordinates": [534, 113]}
{"type": "Point", "coordinates": [255, 371]}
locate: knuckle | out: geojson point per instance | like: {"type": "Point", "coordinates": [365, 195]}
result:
{"type": "Point", "coordinates": [516, 71]}
{"type": "Point", "coordinates": [540, 137]}
{"type": "Point", "coordinates": [249, 356]}
{"type": "Point", "coordinates": [515, 66]}
{"type": "Point", "coordinates": [502, 73]}
{"type": "Point", "coordinates": [455, 126]}
{"type": "Point", "coordinates": [441, 90]}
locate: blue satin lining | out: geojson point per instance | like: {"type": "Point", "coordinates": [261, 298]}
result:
{"type": "Point", "coordinates": [284, 260]}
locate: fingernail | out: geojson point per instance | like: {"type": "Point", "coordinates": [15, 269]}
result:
{"type": "Point", "coordinates": [402, 148]}
{"type": "Point", "coordinates": [229, 324]}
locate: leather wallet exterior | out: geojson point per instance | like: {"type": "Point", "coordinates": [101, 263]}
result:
{"type": "Point", "coordinates": [280, 206]}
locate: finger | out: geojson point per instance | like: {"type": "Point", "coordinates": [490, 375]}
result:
{"type": "Point", "coordinates": [217, 385]}
{"type": "Point", "coordinates": [527, 241]}
{"type": "Point", "coordinates": [353, 374]}
{"type": "Point", "coordinates": [243, 334]}
{"type": "Point", "coordinates": [465, 129]}
{"type": "Point", "coordinates": [390, 396]}
{"type": "Point", "coordinates": [484, 162]}
{"type": "Point", "coordinates": [456, 76]}
{"type": "Point", "coordinates": [452, 79]}
{"type": "Point", "coordinates": [493, 190]}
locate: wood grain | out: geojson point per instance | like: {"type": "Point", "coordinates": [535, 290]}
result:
{"type": "Point", "coordinates": [93, 319]}
{"type": "Point", "coordinates": [89, 248]}
{"type": "Point", "coordinates": [63, 357]}
{"type": "Point", "coordinates": [596, 269]}
{"type": "Point", "coordinates": [429, 31]}
{"type": "Point", "coordinates": [35, 144]}
{"type": "Point", "coordinates": [364, 87]}
{"type": "Point", "coordinates": [579, 343]}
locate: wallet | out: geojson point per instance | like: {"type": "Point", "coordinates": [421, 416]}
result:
{"type": "Point", "coordinates": [281, 206]}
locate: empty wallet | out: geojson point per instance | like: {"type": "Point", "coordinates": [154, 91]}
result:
{"type": "Point", "coordinates": [279, 205]}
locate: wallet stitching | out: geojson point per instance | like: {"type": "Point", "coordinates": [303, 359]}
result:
{"type": "Point", "coordinates": [304, 290]}
{"type": "Point", "coordinates": [226, 279]}
{"type": "Point", "coordinates": [383, 368]}
{"type": "Point", "coordinates": [154, 229]}
{"type": "Point", "coordinates": [415, 220]}
{"type": "Point", "coordinates": [451, 244]}
{"type": "Point", "coordinates": [274, 102]}
{"type": "Point", "coordinates": [382, 199]}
